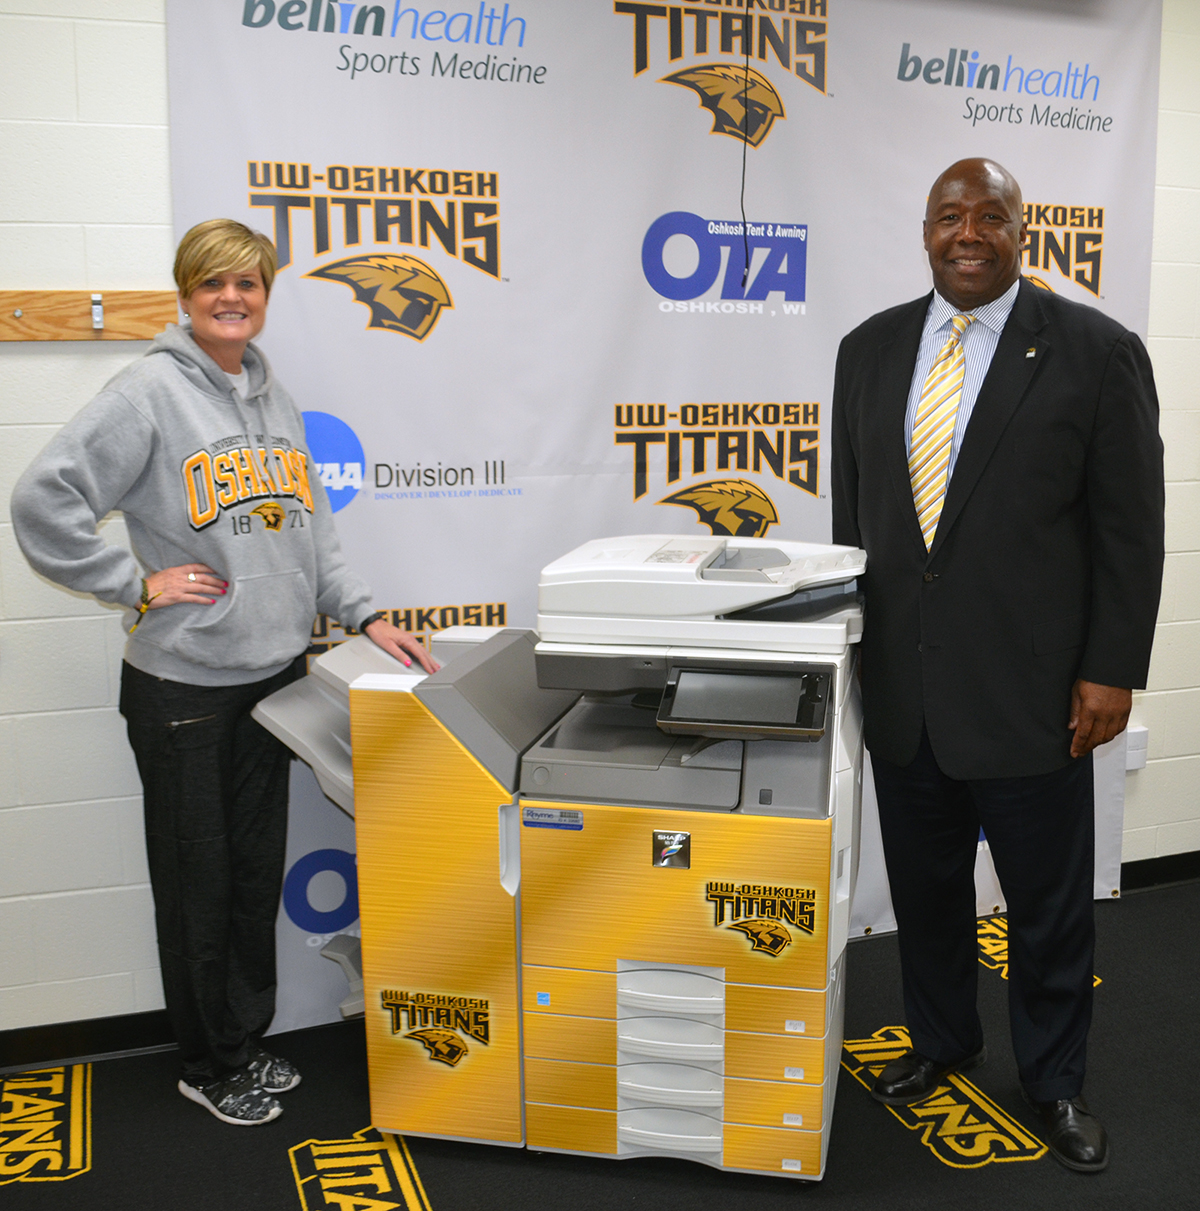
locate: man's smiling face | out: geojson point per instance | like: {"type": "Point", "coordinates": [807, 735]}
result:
{"type": "Point", "coordinates": [974, 233]}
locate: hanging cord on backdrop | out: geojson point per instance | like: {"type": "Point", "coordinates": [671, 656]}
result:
{"type": "Point", "coordinates": [745, 144]}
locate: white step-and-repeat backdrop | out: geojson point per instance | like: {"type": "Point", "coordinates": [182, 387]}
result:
{"type": "Point", "coordinates": [514, 299]}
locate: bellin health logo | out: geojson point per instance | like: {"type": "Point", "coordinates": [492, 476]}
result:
{"type": "Point", "coordinates": [490, 25]}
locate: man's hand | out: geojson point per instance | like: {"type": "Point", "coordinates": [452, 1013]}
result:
{"type": "Point", "coordinates": [1098, 713]}
{"type": "Point", "coordinates": [400, 644]}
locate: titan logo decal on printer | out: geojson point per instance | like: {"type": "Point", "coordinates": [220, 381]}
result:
{"type": "Point", "coordinates": [671, 849]}
{"type": "Point", "coordinates": [763, 911]}
{"type": "Point", "coordinates": [437, 1021]}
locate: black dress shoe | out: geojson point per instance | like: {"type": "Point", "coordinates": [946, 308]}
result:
{"type": "Point", "coordinates": [913, 1077]}
{"type": "Point", "coordinates": [1076, 1137]}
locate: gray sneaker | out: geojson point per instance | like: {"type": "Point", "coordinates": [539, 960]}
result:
{"type": "Point", "coordinates": [273, 1074]}
{"type": "Point", "coordinates": [238, 1100]}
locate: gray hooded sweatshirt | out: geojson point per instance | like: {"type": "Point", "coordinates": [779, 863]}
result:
{"type": "Point", "coordinates": [201, 477]}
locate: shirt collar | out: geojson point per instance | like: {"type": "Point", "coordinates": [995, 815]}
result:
{"type": "Point", "coordinates": [993, 315]}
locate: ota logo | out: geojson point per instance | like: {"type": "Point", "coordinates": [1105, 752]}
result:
{"type": "Point", "coordinates": [338, 455]}
{"type": "Point", "coordinates": [682, 257]}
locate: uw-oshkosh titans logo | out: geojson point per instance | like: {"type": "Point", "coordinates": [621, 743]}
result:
{"type": "Point", "coordinates": [729, 506]}
{"type": "Point", "coordinates": [1069, 239]}
{"type": "Point", "coordinates": [687, 444]}
{"type": "Point", "coordinates": [742, 101]}
{"type": "Point", "coordinates": [232, 471]}
{"type": "Point", "coordinates": [790, 40]}
{"type": "Point", "coordinates": [375, 219]}
{"type": "Point", "coordinates": [438, 1022]}
{"type": "Point", "coordinates": [763, 912]}
{"type": "Point", "coordinates": [403, 293]}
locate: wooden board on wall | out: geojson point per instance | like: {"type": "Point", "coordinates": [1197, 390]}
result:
{"type": "Point", "coordinates": [66, 315]}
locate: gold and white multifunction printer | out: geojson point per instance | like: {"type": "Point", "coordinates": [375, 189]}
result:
{"type": "Point", "coordinates": [605, 868]}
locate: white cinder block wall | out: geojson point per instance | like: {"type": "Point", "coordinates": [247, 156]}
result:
{"type": "Point", "coordinates": [85, 203]}
{"type": "Point", "coordinates": [1162, 804]}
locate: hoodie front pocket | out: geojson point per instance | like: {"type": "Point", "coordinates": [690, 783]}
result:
{"type": "Point", "coordinates": [267, 620]}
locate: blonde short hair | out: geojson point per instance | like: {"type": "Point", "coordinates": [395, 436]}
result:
{"type": "Point", "coordinates": [222, 246]}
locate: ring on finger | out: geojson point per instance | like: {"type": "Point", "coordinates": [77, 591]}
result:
{"type": "Point", "coordinates": [192, 576]}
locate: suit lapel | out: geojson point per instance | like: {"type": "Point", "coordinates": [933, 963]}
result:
{"type": "Point", "coordinates": [1003, 389]}
{"type": "Point", "coordinates": [897, 358]}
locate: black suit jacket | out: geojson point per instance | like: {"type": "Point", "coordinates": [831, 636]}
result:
{"type": "Point", "coordinates": [1047, 561]}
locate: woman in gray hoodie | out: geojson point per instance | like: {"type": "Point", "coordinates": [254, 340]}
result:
{"type": "Point", "coordinates": [236, 552]}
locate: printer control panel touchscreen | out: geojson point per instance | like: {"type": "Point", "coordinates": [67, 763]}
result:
{"type": "Point", "coordinates": [720, 702]}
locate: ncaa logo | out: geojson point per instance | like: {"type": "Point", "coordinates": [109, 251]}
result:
{"type": "Point", "coordinates": [338, 455]}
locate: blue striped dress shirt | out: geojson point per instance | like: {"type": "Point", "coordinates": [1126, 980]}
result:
{"type": "Point", "coordinates": [979, 344]}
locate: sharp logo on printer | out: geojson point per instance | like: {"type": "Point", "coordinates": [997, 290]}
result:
{"type": "Point", "coordinates": [437, 1021]}
{"type": "Point", "coordinates": [763, 911]}
{"type": "Point", "coordinates": [672, 849]}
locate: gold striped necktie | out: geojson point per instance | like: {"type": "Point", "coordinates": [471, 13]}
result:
{"type": "Point", "coordinates": [933, 430]}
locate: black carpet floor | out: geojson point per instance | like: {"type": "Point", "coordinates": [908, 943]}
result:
{"type": "Point", "coordinates": [149, 1148]}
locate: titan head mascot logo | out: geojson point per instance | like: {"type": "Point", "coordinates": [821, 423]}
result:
{"type": "Point", "coordinates": [729, 506]}
{"type": "Point", "coordinates": [744, 104]}
{"type": "Point", "coordinates": [271, 514]}
{"type": "Point", "coordinates": [770, 936]}
{"type": "Point", "coordinates": [443, 1045]}
{"type": "Point", "coordinates": [403, 293]}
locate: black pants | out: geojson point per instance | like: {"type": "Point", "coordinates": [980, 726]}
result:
{"type": "Point", "coordinates": [1041, 833]}
{"type": "Point", "coordinates": [215, 787]}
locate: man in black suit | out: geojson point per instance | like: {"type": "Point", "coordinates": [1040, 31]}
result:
{"type": "Point", "coordinates": [996, 453]}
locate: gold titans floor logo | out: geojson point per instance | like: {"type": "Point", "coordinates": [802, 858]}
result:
{"type": "Point", "coordinates": [729, 506]}
{"type": "Point", "coordinates": [404, 294]}
{"type": "Point", "coordinates": [46, 1124]}
{"type": "Point", "coordinates": [993, 946]}
{"type": "Point", "coordinates": [763, 912]}
{"type": "Point", "coordinates": [371, 1171]}
{"type": "Point", "coordinates": [960, 1125]}
{"type": "Point", "coordinates": [438, 1022]}
{"type": "Point", "coordinates": [742, 101]}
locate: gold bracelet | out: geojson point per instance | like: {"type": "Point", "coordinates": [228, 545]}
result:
{"type": "Point", "coordinates": [144, 604]}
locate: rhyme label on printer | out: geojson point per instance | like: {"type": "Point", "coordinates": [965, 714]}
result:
{"type": "Point", "coordinates": [552, 817]}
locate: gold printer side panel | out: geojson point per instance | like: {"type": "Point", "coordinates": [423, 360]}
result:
{"type": "Point", "coordinates": [440, 958]}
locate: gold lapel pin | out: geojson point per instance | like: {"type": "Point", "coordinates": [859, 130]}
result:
{"type": "Point", "coordinates": [1030, 351]}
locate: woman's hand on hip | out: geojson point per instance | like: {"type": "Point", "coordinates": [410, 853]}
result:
{"type": "Point", "coordinates": [400, 644]}
{"type": "Point", "coordinates": [195, 582]}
